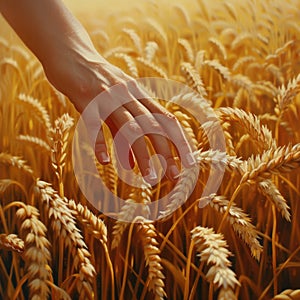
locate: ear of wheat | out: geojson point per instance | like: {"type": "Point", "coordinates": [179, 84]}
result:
{"type": "Point", "coordinates": [64, 226]}
{"type": "Point", "coordinates": [213, 250]}
{"type": "Point", "coordinates": [155, 280]}
{"type": "Point", "coordinates": [11, 242]}
{"type": "Point", "coordinates": [36, 254]}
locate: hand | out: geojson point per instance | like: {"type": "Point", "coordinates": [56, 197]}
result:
{"type": "Point", "coordinates": [75, 68]}
{"type": "Point", "coordinates": [126, 109]}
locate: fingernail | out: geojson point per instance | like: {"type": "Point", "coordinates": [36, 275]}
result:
{"type": "Point", "coordinates": [103, 157]}
{"type": "Point", "coordinates": [173, 172]}
{"type": "Point", "coordinates": [191, 159]}
{"type": "Point", "coordinates": [150, 173]}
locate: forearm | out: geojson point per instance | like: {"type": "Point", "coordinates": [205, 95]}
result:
{"type": "Point", "coordinates": [47, 27]}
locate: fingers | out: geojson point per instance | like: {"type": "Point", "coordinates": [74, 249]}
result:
{"type": "Point", "coordinates": [169, 125]}
{"type": "Point", "coordinates": [133, 117]}
{"type": "Point", "coordinates": [92, 122]}
{"type": "Point", "coordinates": [154, 131]}
{"type": "Point", "coordinates": [131, 135]}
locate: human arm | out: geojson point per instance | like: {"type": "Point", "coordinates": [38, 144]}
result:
{"type": "Point", "coordinates": [75, 68]}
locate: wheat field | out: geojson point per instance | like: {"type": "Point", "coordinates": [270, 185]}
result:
{"type": "Point", "coordinates": [243, 58]}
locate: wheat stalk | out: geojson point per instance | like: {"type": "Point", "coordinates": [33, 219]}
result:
{"type": "Point", "coordinates": [276, 72]}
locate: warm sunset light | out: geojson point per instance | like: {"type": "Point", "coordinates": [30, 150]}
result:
{"type": "Point", "coordinates": [149, 150]}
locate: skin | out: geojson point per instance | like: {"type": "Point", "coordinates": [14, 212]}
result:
{"type": "Point", "coordinates": [74, 67]}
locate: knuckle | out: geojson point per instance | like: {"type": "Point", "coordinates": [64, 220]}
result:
{"type": "Point", "coordinates": [132, 129]}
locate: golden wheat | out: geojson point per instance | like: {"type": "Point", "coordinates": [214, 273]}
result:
{"type": "Point", "coordinates": [36, 254]}
{"type": "Point", "coordinates": [241, 58]}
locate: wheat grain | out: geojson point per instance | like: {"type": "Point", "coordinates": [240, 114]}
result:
{"type": "Point", "coordinates": [158, 29]}
{"type": "Point", "coordinates": [240, 223]}
{"type": "Point", "coordinates": [150, 50]}
{"type": "Point", "coordinates": [276, 72]}
{"type": "Point", "coordinates": [286, 95]}
{"type": "Point", "coordinates": [219, 47]}
{"type": "Point", "coordinates": [212, 249]}
{"type": "Point", "coordinates": [118, 49]}
{"type": "Point", "coordinates": [269, 189]}
{"type": "Point", "coordinates": [182, 190]}
{"type": "Point", "coordinates": [231, 10]}
{"type": "Point", "coordinates": [215, 64]}
{"type": "Point", "coordinates": [288, 295]}
{"type": "Point", "coordinates": [15, 161]}
{"type": "Point", "coordinates": [11, 242]}
{"type": "Point", "coordinates": [4, 42]}
{"type": "Point", "coordinates": [218, 159]}
{"type": "Point", "coordinates": [241, 40]}
{"type": "Point", "coordinates": [244, 60]}
{"type": "Point", "coordinates": [184, 120]}
{"type": "Point", "coordinates": [272, 161]}
{"type": "Point", "coordinates": [35, 141]}
{"type": "Point", "coordinates": [183, 13]}
{"type": "Point", "coordinates": [36, 254]}
{"type": "Point", "coordinates": [188, 50]}
{"type": "Point", "coordinates": [153, 67]}
{"type": "Point", "coordinates": [131, 66]}
{"type": "Point", "coordinates": [134, 38]}
{"type": "Point", "coordinates": [64, 227]}
{"type": "Point", "coordinates": [92, 223]}
{"type": "Point", "coordinates": [200, 57]}
{"type": "Point", "coordinates": [8, 61]}
{"type": "Point", "coordinates": [155, 280]}
{"type": "Point", "coordinates": [130, 209]}
{"type": "Point", "coordinates": [265, 87]}
{"type": "Point", "coordinates": [38, 108]}
{"type": "Point", "coordinates": [59, 137]}
{"type": "Point", "coordinates": [193, 78]}
{"type": "Point", "coordinates": [20, 51]}
{"type": "Point", "coordinates": [259, 133]}
{"type": "Point", "coordinates": [226, 294]}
